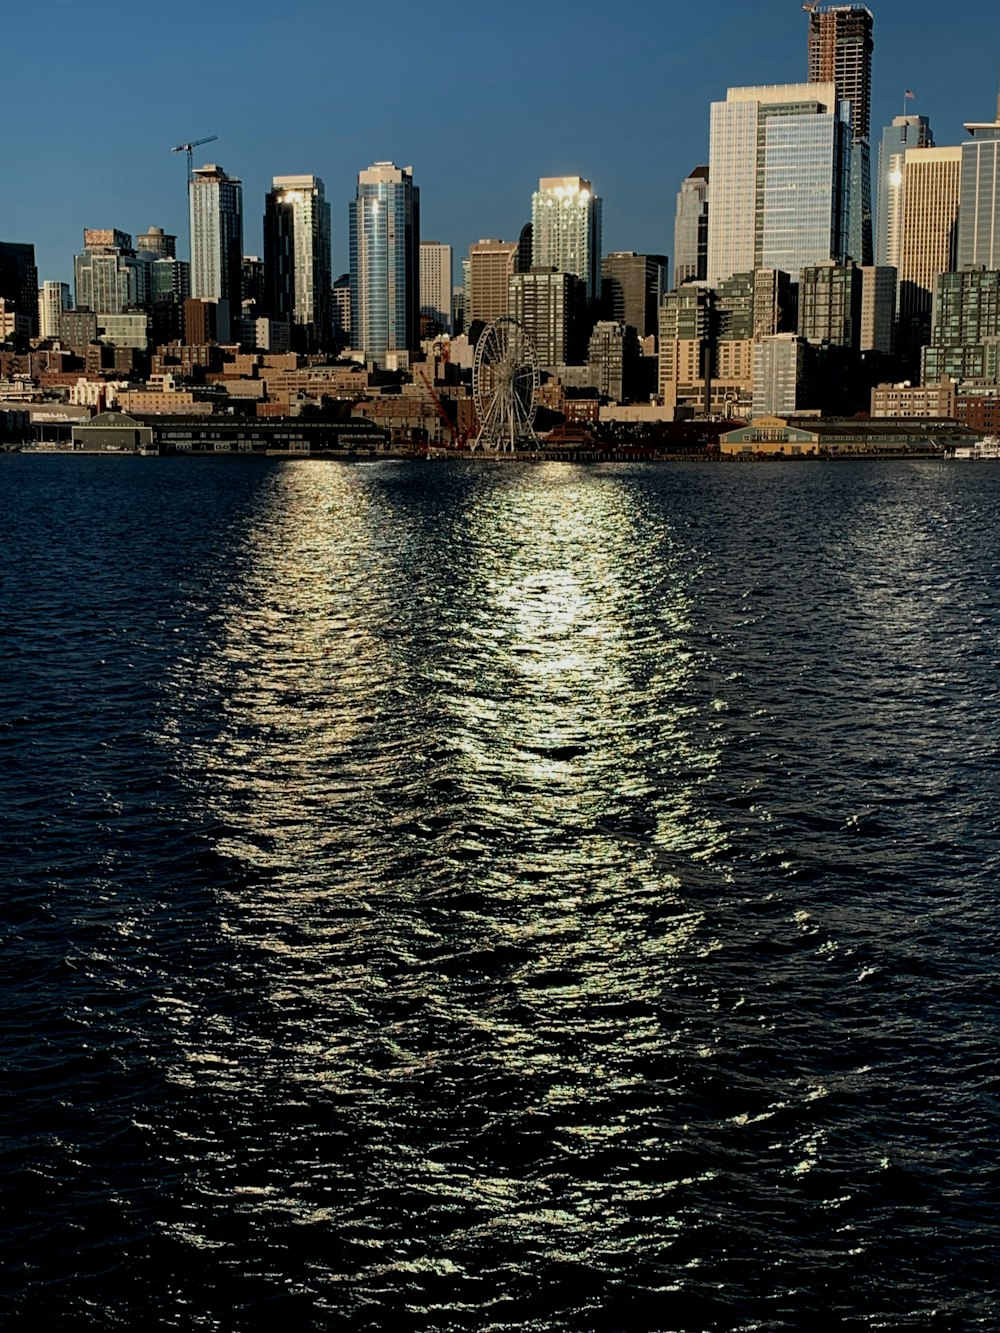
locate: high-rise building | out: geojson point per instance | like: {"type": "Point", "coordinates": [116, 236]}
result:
{"type": "Point", "coordinates": [840, 52]}
{"type": "Point", "coordinates": [613, 360]}
{"type": "Point", "coordinates": [691, 228]}
{"type": "Point", "coordinates": [566, 230]}
{"type": "Point", "coordinates": [19, 281]}
{"type": "Point", "coordinates": [928, 228]}
{"type": "Point", "coordinates": [157, 242]}
{"type": "Point", "coordinates": [436, 266]}
{"type": "Point", "coordinates": [549, 305]}
{"type": "Point", "coordinates": [53, 299]}
{"type": "Point", "coordinates": [830, 304]}
{"type": "Point", "coordinates": [965, 331]}
{"type": "Point", "coordinates": [878, 308]}
{"type": "Point", "coordinates": [631, 288]}
{"type": "Point", "coordinates": [488, 293]}
{"type": "Point", "coordinates": [979, 213]}
{"type": "Point", "coordinates": [904, 132]}
{"type": "Point", "coordinates": [779, 374]}
{"type": "Point", "coordinates": [109, 275]}
{"type": "Point", "coordinates": [216, 216]}
{"type": "Point", "coordinates": [385, 261]}
{"type": "Point", "coordinates": [779, 164]}
{"type": "Point", "coordinates": [297, 264]}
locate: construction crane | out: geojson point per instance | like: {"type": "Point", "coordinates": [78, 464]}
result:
{"type": "Point", "coordinates": [189, 149]}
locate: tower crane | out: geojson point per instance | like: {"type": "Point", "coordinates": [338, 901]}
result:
{"type": "Point", "coordinates": [189, 149]}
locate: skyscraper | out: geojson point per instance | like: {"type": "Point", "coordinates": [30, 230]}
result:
{"type": "Point", "coordinates": [691, 228]}
{"type": "Point", "coordinates": [931, 181]}
{"type": "Point", "coordinates": [979, 214]}
{"type": "Point", "coordinates": [385, 261]}
{"type": "Point", "coordinates": [490, 265]}
{"type": "Point", "coordinates": [216, 215]}
{"type": "Point", "coordinates": [547, 303]}
{"type": "Point", "coordinates": [53, 299]}
{"type": "Point", "coordinates": [631, 287]}
{"type": "Point", "coordinates": [109, 275]}
{"type": "Point", "coordinates": [840, 52]}
{"type": "Point", "coordinates": [436, 283]}
{"type": "Point", "coordinates": [779, 164]}
{"type": "Point", "coordinates": [297, 263]}
{"type": "Point", "coordinates": [19, 280]}
{"type": "Point", "coordinates": [566, 230]}
{"type": "Point", "coordinates": [927, 235]}
{"type": "Point", "coordinates": [904, 132]}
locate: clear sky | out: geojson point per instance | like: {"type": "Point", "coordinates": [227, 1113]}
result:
{"type": "Point", "coordinates": [480, 99]}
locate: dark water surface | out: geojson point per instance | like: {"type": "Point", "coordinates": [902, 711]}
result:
{"type": "Point", "coordinates": [445, 897]}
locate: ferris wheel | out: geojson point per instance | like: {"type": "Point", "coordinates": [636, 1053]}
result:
{"type": "Point", "coordinates": [504, 381]}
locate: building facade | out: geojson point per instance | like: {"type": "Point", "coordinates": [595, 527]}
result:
{"type": "Point", "coordinates": [830, 304]}
{"type": "Point", "coordinates": [384, 226]}
{"type": "Point", "coordinates": [840, 52]}
{"type": "Point", "coordinates": [436, 274]}
{"type": "Point", "coordinates": [904, 133]}
{"type": "Point", "coordinates": [19, 280]}
{"type": "Point", "coordinates": [216, 218]}
{"type": "Point", "coordinates": [549, 305]}
{"type": "Point", "coordinates": [631, 288]}
{"type": "Point", "coordinates": [157, 243]}
{"type": "Point", "coordinates": [979, 211]}
{"type": "Point", "coordinates": [566, 230]}
{"type": "Point", "coordinates": [297, 260]}
{"type": "Point", "coordinates": [779, 163]}
{"type": "Point", "coordinates": [691, 228]}
{"type": "Point", "coordinates": [53, 299]}
{"type": "Point", "coordinates": [490, 265]}
{"type": "Point", "coordinates": [928, 234]}
{"type": "Point", "coordinates": [109, 275]}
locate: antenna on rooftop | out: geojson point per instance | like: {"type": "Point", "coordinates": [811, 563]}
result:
{"type": "Point", "coordinates": [189, 149]}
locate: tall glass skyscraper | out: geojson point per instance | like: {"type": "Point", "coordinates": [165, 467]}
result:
{"type": "Point", "coordinates": [904, 132]}
{"type": "Point", "coordinates": [216, 214]}
{"type": "Point", "coordinates": [297, 262]}
{"type": "Point", "coordinates": [384, 230]}
{"type": "Point", "coordinates": [780, 167]}
{"type": "Point", "coordinates": [566, 229]}
{"type": "Point", "coordinates": [979, 207]}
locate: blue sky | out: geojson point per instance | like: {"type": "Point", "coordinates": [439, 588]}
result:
{"type": "Point", "coordinates": [481, 101]}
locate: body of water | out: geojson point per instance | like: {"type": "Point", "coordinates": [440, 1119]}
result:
{"type": "Point", "coordinates": [493, 897]}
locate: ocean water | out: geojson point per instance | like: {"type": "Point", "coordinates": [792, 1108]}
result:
{"type": "Point", "coordinates": [499, 897]}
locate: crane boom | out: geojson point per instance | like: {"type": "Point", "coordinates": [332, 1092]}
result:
{"type": "Point", "coordinates": [189, 149]}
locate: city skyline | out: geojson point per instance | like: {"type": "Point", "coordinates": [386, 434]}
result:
{"type": "Point", "coordinates": [479, 168]}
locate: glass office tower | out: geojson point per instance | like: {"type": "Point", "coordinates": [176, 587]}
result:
{"type": "Point", "coordinates": [779, 166]}
{"type": "Point", "coordinates": [297, 259]}
{"type": "Point", "coordinates": [384, 230]}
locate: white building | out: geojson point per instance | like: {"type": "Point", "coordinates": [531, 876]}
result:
{"type": "Point", "coordinates": [216, 216]}
{"type": "Point", "coordinates": [566, 229]}
{"type": "Point", "coordinates": [53, 299]}
{"type": "Point", "coordinates": [779, 164]}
